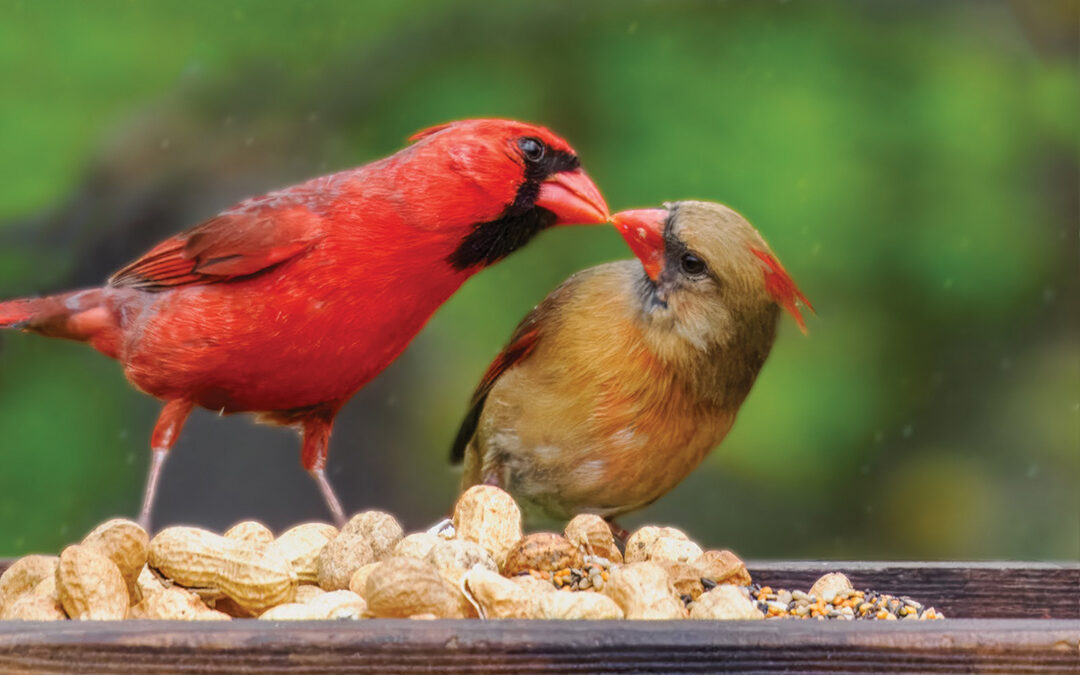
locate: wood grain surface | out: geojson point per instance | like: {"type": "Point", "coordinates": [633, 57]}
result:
{"type": "Point", "coordinates": [962, 590]}
{"type": "Point", "coordinates": [398, 646]}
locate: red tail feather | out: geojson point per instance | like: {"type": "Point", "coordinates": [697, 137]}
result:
{"type": "Point", "coordinates": [781, 287]}
{"type": "Point", "coordinates": [78, 315]}
{"type": "Point", "coordinates": [16, 313]}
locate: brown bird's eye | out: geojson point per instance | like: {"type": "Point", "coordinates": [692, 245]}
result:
{"type": "Point", "coordinates": [692, 265]}
{"type": "Point", "coordinates": [532, 149]}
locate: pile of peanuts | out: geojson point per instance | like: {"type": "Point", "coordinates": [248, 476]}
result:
{"type": "Point", "coordinates": [483, 566]}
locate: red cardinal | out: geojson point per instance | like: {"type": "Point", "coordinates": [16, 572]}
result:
{"type": "Point", "coordinates": [620, 382]}
{"type": "Point", "coordinates": [288, 303]}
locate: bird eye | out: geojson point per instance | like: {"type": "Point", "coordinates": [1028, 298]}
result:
{"type": "Point", "coordinates": [532, 149]}
{"type": "Point", "coordinates": [692, 265]}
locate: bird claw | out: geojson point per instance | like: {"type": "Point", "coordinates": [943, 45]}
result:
{"type": "Point", "coordinates": [444, 529]}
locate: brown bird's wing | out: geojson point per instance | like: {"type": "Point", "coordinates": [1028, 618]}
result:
{"type": "Point", "coordinates": [522, 343]}
{"type": "Point", "coordinates": [234, 244]}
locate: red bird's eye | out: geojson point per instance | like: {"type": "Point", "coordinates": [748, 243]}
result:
{"type": "Point", "coordinates": [532, 149]}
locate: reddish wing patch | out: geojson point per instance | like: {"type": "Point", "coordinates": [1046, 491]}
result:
{"type": "Point", "coordinates": [164, 265]}
{"type": "Point", "coordinates": [521, 345]}
{"type": "Point", "coordinates": [781, 287]}
{"type": "Point", "coordinates": [225, 247]}
{"type": "Point", "coordinates": [516, 351]}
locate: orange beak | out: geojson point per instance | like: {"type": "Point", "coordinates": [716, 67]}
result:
{"type": "Point", "coordinates": [573, 198]}
{"type": "Point", "coordinates": [643, 230]}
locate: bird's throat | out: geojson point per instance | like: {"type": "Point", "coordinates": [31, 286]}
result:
{"type": "Point", "coordinates": [490, 242]}
{"type": "Point", "coordinates": [649, 294]}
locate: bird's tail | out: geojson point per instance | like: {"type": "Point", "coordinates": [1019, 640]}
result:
{"type": "Point", "coordinates": [17, 313]}
{"type": "Point", "coordinates": [77, 315]}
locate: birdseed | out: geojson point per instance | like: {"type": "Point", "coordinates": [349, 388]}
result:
{"type": "Point", "coordinates": [846, 605]}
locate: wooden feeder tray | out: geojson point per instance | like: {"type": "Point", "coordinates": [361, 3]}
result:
{"type": "Point", "coordinates": [1003, 618]}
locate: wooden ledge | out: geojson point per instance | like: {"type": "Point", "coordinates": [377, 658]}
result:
{"type": "Point", "coordinates": [962, 590]}
{"type": "Point", "coordinates": [394, 646]}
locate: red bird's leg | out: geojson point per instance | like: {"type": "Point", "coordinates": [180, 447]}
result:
{"type": "Point", "coordinates": [316, 433]}
{"type": "Point", "coordinates": [166, 431]}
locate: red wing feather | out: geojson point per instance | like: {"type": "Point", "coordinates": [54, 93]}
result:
{"type": "Point", "coordinates": [234, 244]}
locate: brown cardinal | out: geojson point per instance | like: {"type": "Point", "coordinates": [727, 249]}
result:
{"type": "Point", "coordinates": [288, 303]}
{"type": "Point", "coordinates": [621, 381]}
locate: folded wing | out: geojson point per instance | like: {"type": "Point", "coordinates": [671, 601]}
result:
{"type": "Point", "coordinates": [232, 245]}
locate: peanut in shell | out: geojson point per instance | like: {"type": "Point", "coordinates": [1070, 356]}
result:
{"type": "Point", "coordinates": [24, 574]}
{"type": "Point", "coordinates": [726, 603]}
{"type": "Point", "coordinates": [498, 597]}
{"type": "Point", "coordinates": [543, 552]}
{"type": "Point", "coordinates": [358, 581]}
{"type": "Point", "coordinates": [592, 534]}
{"type": "Point", "coordinates": [532, 585]}
{"type": "Point", "coordinates": [302, 545]}
{"type": "Point", "coordinates": [251, 531]}
{"type": "Point", "coordinates": [175, 604]}
{"type": "Point", "coordinates": [643, 591]}
{"type": "Point", "coordinates": [722, 567]}
{"type": "Point", "coordinates": [149, 582]}
{"type": "Point", "coordinates": [124, 542]}
{"type": "Point", "coordinates": [90, 585]}
{"type": "Point", "coordinates": [455, 580]}
{"type": "Point", "coordinates": [31, 607]}
{"type": "Point", "coordinates": [638, 543]}
{"type": "Point", "coordinates": [327, 606]}
{"type": "Point", "coordinates": [488, 516]}
{"type": "Point", "coordinates": [340, 558]}
{"type": "Point", "coordinates": [306, 592]}
{"type": "Point", "coordinates": [673, 549]}
{"type": "Point", "coordinates": [684, 577]}
{"type": "Point", "coordinates": [403, 587]}
{"type": "Point", "coordinates": [255, 579]}
{"type": "Point", "coordinates": [576, 605]}
{"type": "Point", "coordinates": [459, 554]}
{"type": "Point", "coordinates": [416, 545]}
{"type": "Point", "coordinates": [381, 531]}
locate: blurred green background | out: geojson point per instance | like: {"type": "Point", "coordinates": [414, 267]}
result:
{"type": "Point", "coordinates": [914, 164]}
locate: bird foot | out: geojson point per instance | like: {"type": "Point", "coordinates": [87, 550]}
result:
{"type": "Point", "coordinates": [443, 529]}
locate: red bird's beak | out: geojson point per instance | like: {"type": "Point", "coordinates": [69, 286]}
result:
{"type": "Point", "coordinates": [573, 198]}
{"type": "Point", "coordinates": [643, 230]}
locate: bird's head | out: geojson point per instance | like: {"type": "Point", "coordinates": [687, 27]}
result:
{"type": "Point", "coordinates": [517, 179]}
{"type": "Point", "coordinates": [707, 272]}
